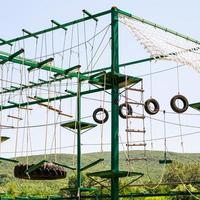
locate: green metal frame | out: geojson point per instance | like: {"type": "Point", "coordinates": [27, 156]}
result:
{"type": "Point", "coordinates": [114, 86]}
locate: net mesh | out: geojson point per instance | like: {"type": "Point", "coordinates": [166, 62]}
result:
{"type": "Point", "coordinates": [162, 44]}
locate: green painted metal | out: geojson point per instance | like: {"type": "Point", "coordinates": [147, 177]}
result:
{"type": "Point", "coordinates": [5, 42]}
{"type": "Point", "coordinates": [11, 56]}
{"type": "Point", "coordinates": [114, 173]}
{"type": "Point", "coordinates": [122, 65]}
{"type": "Point", "coordinates": [165, 161]}
{"type": "Point", "coordinates": [41, 64]}
{"type": "Point", "coordinates": [115, 104]}
{"type": "Point", "coordinates": [29, 33]}
{"type": "Point", "coordinates": [35, 166]}
{"type": "Point", "coordinates": [57, 27]}
{"type": "Point", "coordinates": [158, 26]}
{"type": "Point", "coordinates": [75, 124]}
{"type": "Point", "coordinates": [195, 106]}
{"type": "Point", "coordinates": [30, 63]}
{"type": "Point", "coordinates": [3, 138]}
{"type": "Point", "coordinates": [92, 164]}
{"type": "Point", "coordinates": [64, 165]}
{"type": "Point", "coordinates": [82, 189]}
{"type": "Point", "coordinates": [111, 174]}
{"type": "Point", "coordinates": [120, 80]}
{"type": "Point", "coordinates": [90, 15]}
{"type": "Point", "coordinates": [58, 24]}
{"type": "Point", "coordinates": [9, 160]}
{"type": "Point", "coordinates": [42, 82]}
{"type": "Point", "coordinates": [15, 105]}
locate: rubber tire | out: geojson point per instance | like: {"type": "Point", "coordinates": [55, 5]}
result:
{"type": "Point", "coordinates": [129, 111]}
{"type": "Point", "coordinates": [96, 111]}
{"type": "Point", "coordinates": [147, 106]}
{"type": "Point", "coordinates": [173, 103]}
{"type": "Point", "coordinates": [51, 172]}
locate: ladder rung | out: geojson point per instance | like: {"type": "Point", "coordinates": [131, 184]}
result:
{"type": "Point", "coordinates": [66, 115]}
{"type": "Point", "coordinates": [25, 108]}
{"type": "Point", "coordinates": [135, 159]}
{"type": "Point", "coordinates": [135, 116]}
{"type": "Point", "coordinates": [136, 145]}
{"type": "Point", "coordinates": [135, 130]}
{"type": "Point", "coordinates": [135, 89]}
{"type": "Point", "coordinates": [14, 117]}
{"type": "Point", "coordinates": [135, 103]}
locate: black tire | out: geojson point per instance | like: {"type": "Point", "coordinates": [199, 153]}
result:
{"type": "Point", "coordinates": [175, 108]}
{"type": "Point", "coordinates": [148, 109]}
{"type": "Point", "coordinates": [128, 112]}
{"type": "Point", "coordinates": [100, 121]}
{"type": "Point", "coordinates": [51, 172]}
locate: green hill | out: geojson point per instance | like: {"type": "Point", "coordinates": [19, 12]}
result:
{"type": "Point", "coordinates": [151, 168]}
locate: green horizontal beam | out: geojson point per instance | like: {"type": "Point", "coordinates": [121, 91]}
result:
{"type": "Point", "coordinates": [158, 26]}
{"type": "Point", "coordinates": [11, 56]}
{"type": "Point", "coordinates": [36, 166]}
{"type": "Point", "coordinates": [66, 166]}
{"type": "Point", "coordinates": [90, 15]}
{"type": "Point", "coordinates": [124, 64]}
{"type": "Point", "coordinates": [29, 33]}
{"type": "Point", "coordinates": [5, 42]}
{"type": "Point", "coordinates": [58, 24]}
{"type": "Point", "coordinates": [49, 100]}
{"type": "Point", "coordinates": [9, 160]}
{"type": "Point", "coordinates": [41, 64]}
{"type": "Point", "coordinates": [29, 62]}
{"type": "Point", "coordinates": [92, 164]}
{"type": "Point", "coordinates": [56, 27]}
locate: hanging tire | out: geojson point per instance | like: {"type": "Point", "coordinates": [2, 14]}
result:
{"type": "Point", "coordinates": [129, 110]}
{"type": "Point", "coordinates": [148, 109]}
{"type": "Point", "coordinates": [175, 108]}
{"type": "Point", "coordinates": [100, 121]}
{"type": "Point", "coordinates": [44, 172]}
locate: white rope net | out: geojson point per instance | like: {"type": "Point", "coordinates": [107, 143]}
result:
{"type": "Point", "coordinates": [163, 45]}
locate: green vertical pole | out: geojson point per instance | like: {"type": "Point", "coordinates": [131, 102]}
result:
{"type": "Point", "coordinates": [79, 135]}
{"type": "Point", "coordinates": [115, 105]}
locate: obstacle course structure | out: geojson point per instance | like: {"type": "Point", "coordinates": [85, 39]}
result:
{"type": "Point", "coordinates": [103, 79]}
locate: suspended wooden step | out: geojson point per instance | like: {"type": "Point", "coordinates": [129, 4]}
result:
{"type": "Point", "coordinates": [41, 171]}
{"type": "Point", "coordinates": [135, 103]}
{"type": "Point", "coordinates": [14, 117]}
{"type": "Point", "coordinates": [135, 116]}
{"type": "Point", "coordinates": [111, 174]}
{"type": "Point", "coordinates": [165, 161]}
{"type": "Point", "coordinates": [120, 79]}
{"type": "Point", "coordinates": [74, 125]}
{"type": "Point", "coordinates": [135, 89]}
{"type": "Point", "coordinates": [60, 112]}
{"type": "Point", "coordinates": [135, 130]}
{"type": "Point", "coordinates": [137, 145]}
{"type": "Point", "coordinates": [3, 138]}
{"type": "Point", "coordinates": [137, 159]}
{"type": "Point", "coordinates": [82, 189]}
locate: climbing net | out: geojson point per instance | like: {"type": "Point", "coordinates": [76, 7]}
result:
{"type": "Point", "coordinates": [161, 43]}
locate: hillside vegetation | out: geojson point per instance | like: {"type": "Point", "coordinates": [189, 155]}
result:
{"type": "Point", "coordinates": [153, 171]}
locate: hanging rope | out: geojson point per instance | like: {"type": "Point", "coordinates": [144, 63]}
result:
{"type": "Point", "coordinates": [102, 97]}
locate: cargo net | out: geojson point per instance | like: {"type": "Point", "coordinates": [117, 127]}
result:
{"type": "Point", "coordinates": [161, 44]}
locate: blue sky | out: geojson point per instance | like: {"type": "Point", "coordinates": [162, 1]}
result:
{"type": "Point", "coordinates": [182, 16]}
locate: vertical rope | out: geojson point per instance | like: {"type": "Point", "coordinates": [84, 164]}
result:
{"type": "Point", "coordinates": [103, 106]}
{"type": "Point", "coordinates": [151, 93]}
{"type": "Point", "coordinates": [165, 139]}
{"type": "Point", "coordinates": [179, 116]}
